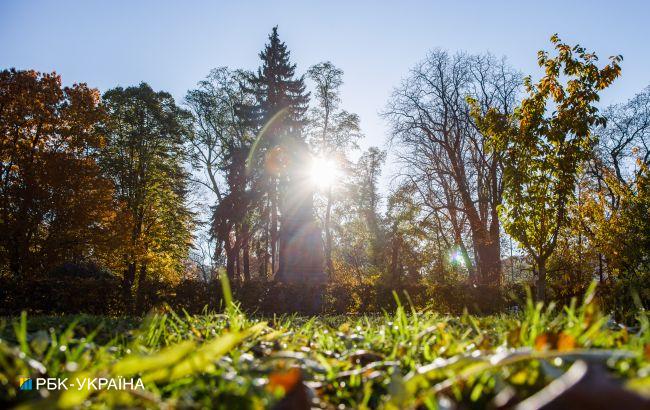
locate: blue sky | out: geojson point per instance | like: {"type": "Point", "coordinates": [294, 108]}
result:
{"type": "Point", "coordinates": [173, 45]}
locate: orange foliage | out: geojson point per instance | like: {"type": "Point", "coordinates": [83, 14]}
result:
{"type": "Point", "coordinates": [55, 206]}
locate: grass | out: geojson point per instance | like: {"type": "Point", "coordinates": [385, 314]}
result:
{"type": "Point", "coordinates": [398, 360]}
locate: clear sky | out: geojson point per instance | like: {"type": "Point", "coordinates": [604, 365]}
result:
{"type": "Point", "coordinates": [174, 44]}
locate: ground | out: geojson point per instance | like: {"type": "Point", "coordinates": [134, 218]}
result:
{"type": "Point", "coordinates": [404, 359]}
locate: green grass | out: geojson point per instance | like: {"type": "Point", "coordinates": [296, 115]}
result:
{"type": "Point", "coordinates": [397, 360]}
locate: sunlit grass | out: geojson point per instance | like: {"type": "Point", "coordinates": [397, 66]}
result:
{"type": "Point", "coordinates": [395, 360]}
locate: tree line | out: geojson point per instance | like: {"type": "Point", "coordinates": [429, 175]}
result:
{"type": "Point", "coordinates": [146, 189]}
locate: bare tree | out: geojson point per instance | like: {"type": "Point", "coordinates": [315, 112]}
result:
{"type": "Point", "coordinates": [626, 137]}
{"type": "Point", "coordinates": [448, 159]}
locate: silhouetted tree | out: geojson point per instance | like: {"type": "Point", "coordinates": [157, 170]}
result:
{"type": "Point", "coordinates": [278, 115]}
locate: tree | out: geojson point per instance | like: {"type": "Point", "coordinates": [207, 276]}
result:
{"type": "Point", "coordinates": [544, 143]}
{"type": "Point", "coordinates": [613, 185]}
{"type": "Point", "coordinates": [55, 206]}
{"type": "Point", "coordinates": [144, 157]}
{"type": "Point", "coordinates": [624, 143]}
{"type": "Point", "coordinates": [219, 147]}
{"type": "Point", "coordinates": [279, 118]}
{"type": "Point", "coordinates": [457, 177]}
{"type": "Point", "coordinates": [366, 197]}
{"type": "Point", "coordinates": [333, 133]}
{"type": "Point", "coordinates": [407, 244]}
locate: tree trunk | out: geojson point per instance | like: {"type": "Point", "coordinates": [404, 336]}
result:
{"type": "Point", "coordinates": [238, 261]}
{"type": "Point", "coordinates": [127, 287]}
{"type": "Point", "coordinates": [328, 234]}
{"type": "Point", "coordinates": [600, 267]}
{"type": "Point", "coordinates": [486, 238]}
{"type": "Point", "coordinates": [274, 224]}
{"type": "Point", "coordinates": [230, 260]}
{"type": "Point", "coordinates": [540, 286]}
{"type": "Point", "coordinates": [246, 251]}
{"type": "Point", "coordinates": [267, 235]}
{"type": "Point", "coordinates": [489, 262]}
{"type": "Point", "coordinates": [16, 262]}
{"type": "Point", "coordinates": [394, 260]}
{"type": "Point", "coordinates": [142, 284]}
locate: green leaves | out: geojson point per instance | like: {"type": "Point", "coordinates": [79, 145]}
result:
{"type": "Point", "coordinates": [544, 143]}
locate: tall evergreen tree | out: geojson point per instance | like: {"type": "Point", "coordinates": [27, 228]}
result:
{"type": "Point", "coordinates": [276, 89]}
{"type": "Point", "coordinates": [279, 118]}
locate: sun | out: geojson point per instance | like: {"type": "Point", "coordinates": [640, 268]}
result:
{"type": "Point", "coordinates": [323, 172]}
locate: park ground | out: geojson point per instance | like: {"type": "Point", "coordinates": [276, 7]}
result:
{"type": "Point", "coordinates": [403, 359]}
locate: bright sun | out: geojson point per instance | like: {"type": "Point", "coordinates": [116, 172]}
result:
{"type": "Point", "coordinates": [323, 172]}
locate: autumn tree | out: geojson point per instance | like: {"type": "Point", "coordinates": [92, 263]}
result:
{"type": "Point", "coordinates": [445, 155]}
{"type": "Point", "coordinates": [144, 157]}
{"type": "Point", "coordinates": [333, 133]}
{"type": "Point", "coordinates": [55, 206]}
{"type": "Point", "coordinates": [544, 144]}
{"type": "Point", "coordinates": [614, 186]}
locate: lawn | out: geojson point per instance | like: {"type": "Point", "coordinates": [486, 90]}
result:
{"type": "Point", "coordinates": [402, 359]}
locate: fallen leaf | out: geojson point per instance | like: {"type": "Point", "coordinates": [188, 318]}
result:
{"type": "Point", "coordinates": [286, 380]}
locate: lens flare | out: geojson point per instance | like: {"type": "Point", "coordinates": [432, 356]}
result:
{"type": "Point", "coordinates": [456, 258]}
{"type": "Point", "coordinates": [324, 172]}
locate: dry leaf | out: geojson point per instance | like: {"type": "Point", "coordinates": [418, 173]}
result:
{"type": "Point", "coordinates": [287, 381]}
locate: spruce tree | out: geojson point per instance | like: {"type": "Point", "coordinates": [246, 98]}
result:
{"type": "Point", "coordinates": [279, 117]}
{"type": "Point", "coordinates": [276, 88]}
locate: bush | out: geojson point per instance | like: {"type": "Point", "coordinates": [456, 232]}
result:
{"type": "Point", "coordinates": [87, 289]}
{"type": "Point", "coordinates": [68, 289]}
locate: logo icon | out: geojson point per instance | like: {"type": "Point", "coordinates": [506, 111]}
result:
{"type": "Point", "coordinates": [25, 383]}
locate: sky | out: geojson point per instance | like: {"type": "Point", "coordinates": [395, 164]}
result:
{"type": "Point", "coordinates": [174, 44]}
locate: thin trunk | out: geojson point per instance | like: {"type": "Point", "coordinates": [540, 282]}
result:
{"type": "Point", "coordinates": [16, 262]}
{"type": "Point", "coordinates": [237, 264]}
{"type": "Point", "coordinates": [267, 235]}
{"type": "Point", "coordinates": [328, 234]}
{"type": "Point", "coordinates": [246, 251]}
{"type": "Point", "coordinates": [142, 285]}
{"type": "Point", "coordinates": [540, 286]}
{"type": "Point", "coordinates": [600, 267]}
{"type": "Point", "coordinates": [237, 252]}
{"type": "Point", "coordinates": [467, 260]}
{"type": "Point", "coordinates": [274, 225]}
{"type": "Point", "coordinates": [394, 260]}
{"type": "Point", "coordinates": [230, 260]}
{"type": "Point", "coordinates": [127, 287]}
